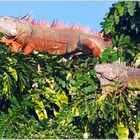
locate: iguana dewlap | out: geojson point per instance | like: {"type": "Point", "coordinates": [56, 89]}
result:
{"type": "Point", "coordinates": [27, 35]}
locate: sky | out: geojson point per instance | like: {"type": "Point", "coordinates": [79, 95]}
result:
{"type": "Point", "coordinates": [88, 13]}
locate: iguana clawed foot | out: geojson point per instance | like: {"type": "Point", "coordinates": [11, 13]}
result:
{"type": "Point", "coordinates": [14, 46]}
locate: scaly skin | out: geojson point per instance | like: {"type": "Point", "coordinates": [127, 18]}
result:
{"type": "Point", "coordinates": [22, 34]}
{"type": "Point", "coordinates": [127, 77]}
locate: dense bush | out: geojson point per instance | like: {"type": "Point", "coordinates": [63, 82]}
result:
{"type": "Point", "coordinates": [44, 96]}
{"type": "Point", "coordinates": [122, 23]}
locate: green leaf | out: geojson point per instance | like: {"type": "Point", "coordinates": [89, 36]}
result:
{"type": "Point", "coordinates": [114, 57]}
{"type": "Point", "coordinates": [13, 73]}
{"type": "Point", "coordinates": [1, 34]}
{"type": "Point", "coordinates": [22, 83]}
{"type": "Point", "coordinates": [62, 82]}
{"type": "Point", "coordinates": [39, 107]}
{"type": "Point", "coordinates": [8, 84]}
{"type": "Point", "coordinates": [139, 3]}
{"type": "Point", "coordinates": [105, 55]}
{"type": "Point", "coordinates": [124, 40]}
{"type": "Point", "coordinates": [131, 7]}
{"type": "Point", "coordinates": [4, 124]}
{"type": "Point", "coordinates": [88, 89]}
{"type": "Point", "coordinates": [123, 131]}
{"type": "Point", "coordinates": [61, 98]}
{"type": "Point", "coordinates": [116, 16]}
{"type": "Point", "coordinates": [120, 9]}
{"type": "Point", "coordinates": [109, 24]}
{"type": "Point", "coordinates": [137, 62]}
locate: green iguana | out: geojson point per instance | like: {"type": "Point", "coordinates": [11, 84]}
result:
{"type": "Point", "coordinates": [28, 35]}
{"type": "Point", "coordinates": [125, 77]}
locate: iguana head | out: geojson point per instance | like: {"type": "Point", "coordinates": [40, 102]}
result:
{"type": "Point", "coordinates": [106, 73]}
{"type": "Point", "coordinates": [11, 26]}
{"type": "Point", "coordinates": [109, 73]}
{"type": "Point", "coordinates": [8, 26]}
{"type": "Point", "coordinates": [105, 69]}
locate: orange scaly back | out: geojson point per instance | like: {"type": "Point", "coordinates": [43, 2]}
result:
{"type": "Point", "coordinates": [54, 38]}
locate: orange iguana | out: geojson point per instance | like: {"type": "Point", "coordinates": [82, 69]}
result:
{"type": "Point", "coordinates": [27, 35]}
{"type": "Point", "coordinates": [126, 77]}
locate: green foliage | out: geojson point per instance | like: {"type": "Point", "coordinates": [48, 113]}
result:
{"type": "Point", "coordinates": [44, 96]}
{"type": "Point", "coordinates": [122, 24]}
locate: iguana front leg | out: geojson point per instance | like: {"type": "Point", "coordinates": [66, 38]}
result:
{"type": "Point", "coordinates": [29, 48]}
{"type": "Point", "coordinates": [95, 50]}
{"type": "Point", "coordinates": [122, 84]}
{"type": "Point", "coordinates": [14, 46]}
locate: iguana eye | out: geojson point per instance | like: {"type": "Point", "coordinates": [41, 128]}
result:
{"type": "Point", "coordinates": [13, 31]}
{"type": "Point", "coordinates": [5, 18]}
